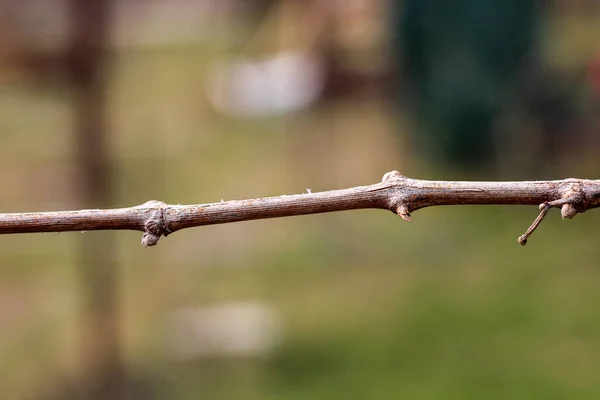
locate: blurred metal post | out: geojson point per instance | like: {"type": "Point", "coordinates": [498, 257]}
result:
{"type": "Point", "coordinates": [103, 374]}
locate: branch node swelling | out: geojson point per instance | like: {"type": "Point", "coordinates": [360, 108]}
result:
{"type": "Point", "coordinates": [155, 225]}
{"type": "Point", "coordinates": [398, 204]}
{"type": "Point", "coordinates": [573, 201]}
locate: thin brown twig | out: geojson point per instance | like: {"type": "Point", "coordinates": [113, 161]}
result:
{"type": "Point", "coordinates": [396, 192]}
{"type": "Point", "coordinates": [522, 240]}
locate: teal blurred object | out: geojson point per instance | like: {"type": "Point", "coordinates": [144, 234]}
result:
{"type": "Point", "coordinates": [461, 58]}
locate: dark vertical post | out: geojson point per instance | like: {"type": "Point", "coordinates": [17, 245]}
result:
{"type": "Point", "coordinates": [103, 374]}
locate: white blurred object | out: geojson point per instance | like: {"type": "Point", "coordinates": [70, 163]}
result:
{"type": "Point", "coordinates": [287, 82]}
{"type": "Point", "coordinates": [228, 329]}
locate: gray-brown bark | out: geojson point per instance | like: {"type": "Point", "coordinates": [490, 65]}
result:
{"type": "Point", "coordinates": [397, 193]}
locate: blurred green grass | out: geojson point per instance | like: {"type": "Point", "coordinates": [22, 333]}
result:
{"type": "Point", "coordinates": [448, 306]}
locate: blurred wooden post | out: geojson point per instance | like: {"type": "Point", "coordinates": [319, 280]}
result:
{"type": "Point", "coordinates": [103, 373]}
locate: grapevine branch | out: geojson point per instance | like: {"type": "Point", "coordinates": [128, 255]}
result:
{"type": "Point", "coordinates": [395, 192]}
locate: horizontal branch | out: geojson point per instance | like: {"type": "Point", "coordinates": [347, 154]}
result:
{"type": "Point", "coordinates": [396, 192]}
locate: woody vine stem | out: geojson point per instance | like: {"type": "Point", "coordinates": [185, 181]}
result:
{"type": "Point", "coordinates": [395, 192]}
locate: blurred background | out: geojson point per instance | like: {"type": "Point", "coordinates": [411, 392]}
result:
{"type": "Point", "coordinates": [110, 103]}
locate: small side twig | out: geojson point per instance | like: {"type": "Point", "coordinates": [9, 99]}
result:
{"type": "Point", "coordinates": [523, 238]}
{"type": "Point", "coordinates": [395, 192]}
